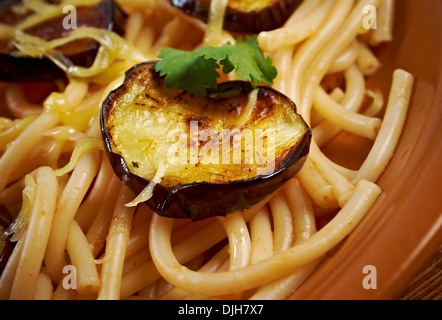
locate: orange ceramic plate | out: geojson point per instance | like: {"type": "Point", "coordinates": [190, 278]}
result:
{"type": "Point", "coordinates": [403, 230]}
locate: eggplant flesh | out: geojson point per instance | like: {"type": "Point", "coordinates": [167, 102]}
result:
{"type": "Point", "coordinates": [82, 52]}
{"type": "Point", "coordinates": [244, 16]}
{"type": "Point", "coordinates": [222, 153]}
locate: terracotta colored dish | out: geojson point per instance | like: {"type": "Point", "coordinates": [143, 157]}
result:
{"type": "Point", "coordinates": [404, 229]}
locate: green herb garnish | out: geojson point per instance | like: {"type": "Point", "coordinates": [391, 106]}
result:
{"type": "Point", "coordinates": [194, 71]}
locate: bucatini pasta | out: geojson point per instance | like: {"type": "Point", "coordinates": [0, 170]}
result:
{"type": "Point", "coordinates": [79, 240]}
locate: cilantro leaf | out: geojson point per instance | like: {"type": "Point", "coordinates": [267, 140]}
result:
{"type": "Point", "coordinates": [194, 71]}
{"type": "Point", "coordinates": [249, 62]}
{"type": "Point", "coordinates": [267, 71]}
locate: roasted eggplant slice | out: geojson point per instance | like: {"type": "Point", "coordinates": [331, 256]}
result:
{"type": "Point", "coordinates": [207, 156]}
{"type": "Point", "coordinates": [15, 68]}
{"type": "Point", "coordinates": [244, 16]}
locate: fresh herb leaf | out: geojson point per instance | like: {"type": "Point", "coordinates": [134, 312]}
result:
{"type": "Point", "coordinates": [194, 71]}
{"type": "Point", "coordinates": [267, 71]}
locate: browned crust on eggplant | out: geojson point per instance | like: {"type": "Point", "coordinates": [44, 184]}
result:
{"type": "Point", "coordinates": [201, 200]}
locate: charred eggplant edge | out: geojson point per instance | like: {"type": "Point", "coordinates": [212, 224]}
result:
{"type": "Point", "coordinates": [240, 20]}
{"type": "Point", "coordinates": [200, 200]}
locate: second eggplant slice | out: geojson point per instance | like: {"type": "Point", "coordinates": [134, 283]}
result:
{"type": "Point", "coordinates": [209, 156]}
{"type": "Point", "coordinates": [245, 16]}
{"type": "Point", "coordinates": [105, 14]}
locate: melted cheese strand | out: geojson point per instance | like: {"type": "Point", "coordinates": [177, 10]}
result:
{"type": "Point", "coordinates": [245, 115]}
{"type": "Point", "coordinates": [214, 29]}
{"type": "Point", "coordinates": [147, 193]}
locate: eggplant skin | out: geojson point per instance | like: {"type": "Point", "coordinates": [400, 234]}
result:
{"type": "Point", "coordinates": [243, 20]}
{"type": "Point", "coordinates": [201, 200]}
{"type": "Point", "coordinates": [105, 15]}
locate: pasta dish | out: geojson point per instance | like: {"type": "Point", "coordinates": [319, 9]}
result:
{"type": "Point", "coordinates": [68, 229]}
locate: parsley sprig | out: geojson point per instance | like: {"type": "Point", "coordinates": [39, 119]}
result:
{"type": "Point", "coordinates": [194, 71]}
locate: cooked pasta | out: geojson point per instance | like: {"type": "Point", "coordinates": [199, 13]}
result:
{"type": "Point", "coordinates": [78, 214]}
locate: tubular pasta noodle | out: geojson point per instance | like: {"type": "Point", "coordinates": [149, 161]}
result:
{"type": "Point", "coordinates": [304, 9]}
{"type": "Point", "coordinates": [32, 134]}
{"type": "Point", "coordinates": [337, 94]}
{"type": "Point", "coordinates": [139, 239]}
{"type": "Point", "coordinates": [318, 188]}
{"type": "Point", "coordinates": [367, 62]}
{"type": "Point", "coordinates": [302, 210]}
{"type": "Point", "coordinates": [377, 105]}
{"type": "Point", "coordinates": [67, 206]}
{"type": "Point", "coordinates": [182, 233]}
{"type": "Point", "coordinates": [282, 222]}
{"type": "Point", "coordinates": [306, 53]}
{"type": "Point", "coordinates": [342, 188]}
{"type": "Point", "coordinates": [353, 122]}
{"type": "Point", "coordinates": [212, 266]}
{"type": "Point", "coordinates": [261, 236]}
{"type": "Point", "coordinates": [13, 193]}
{"type": "Point", "coordinates": [294, 31]}
{"type": "Point", "coordinates": [390, 131]}
{"type": "Point", "coordinates": [323, 61]}
{"type": "Point", "coordinates": [384, 30]}
{"type": "Point", "coordinates": [43, 287]}
{"type": "Point", "coordinates": [282, 58]}
{"type": "Point", "coordinates": [134, 26]}
{"type": "Point", "coordinates": [145, 41]}
{"type": "Point", "coordinates": [185, 251]}
{"type": "Point", "coordinates": [305, 227]}
{"type": "Point", "coordinates": [80, 254]}
{"type": "Point", "coordinates": [172, 32]}
{"type": "Point", "coordinates": [18, 105]}
{"type": "Point", "coordinates": [346, 172]}
{"type": "Point", "coordinates": [355, 86]}
{"type": "Point", "coordinates": [346, 59]}
{"type": "Point", "coordinates": [91, 205]}
{"type": "Point", "coordinates": [282, 264]}
{"type": "Point", "coordinates": [97, 231]}
{"type": "Point", "coordinates": [150, 292]}
{"type": "Point", "coordinates": [23, 144]}
{"type": "Point", "coordinates": [42, 154]}
{"type": "Point", "coordinates": [62, 293]}
{"type": "Point", "coordinates": [325, 131]}
{"type": "Point", "coordinates": [17, 126]}
{"type": "Point", "coordinates": [74, 93]}
{"type": "Point", "coordinates": [118, 238]}
{"type": "Point", "coordinates": [240, 246]}
{"type": "Point", "coordinates": [142, 215]}
{"type": "Point", "coordinates": [135, 260]}
{"type": "Point", "coordinates": [80, 116]}
{"type": "Point", "coordinates": [37, 235]}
